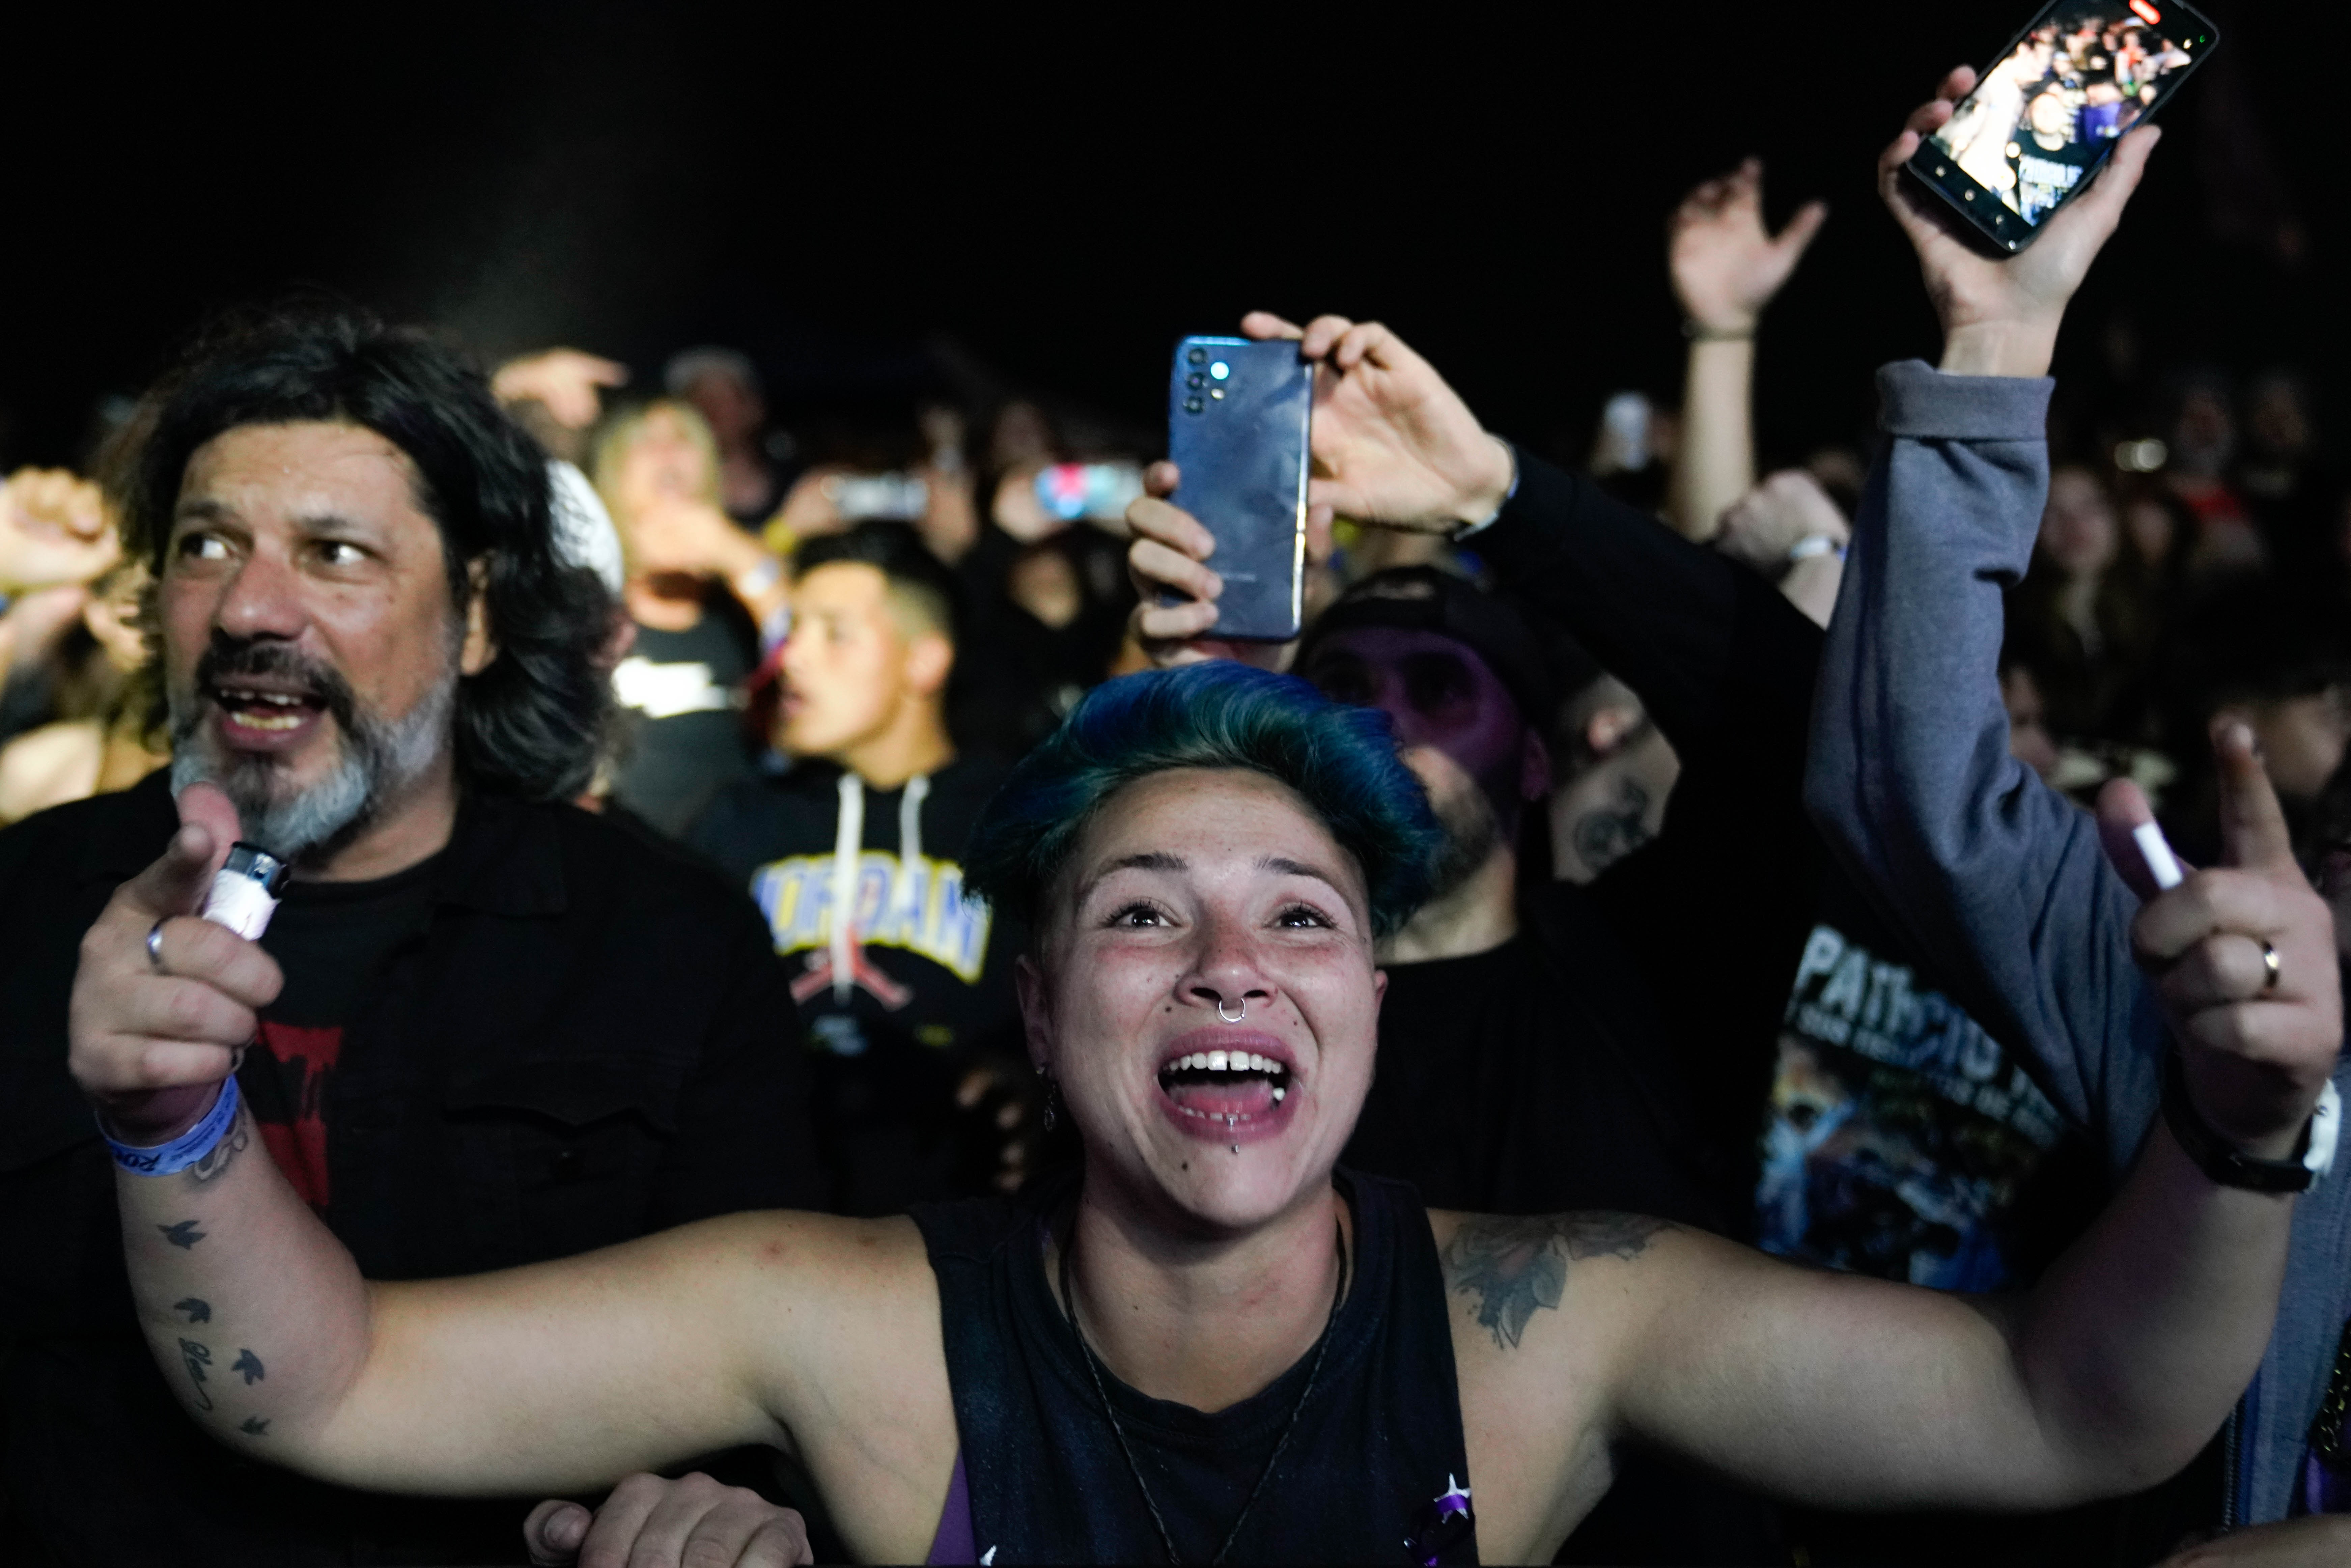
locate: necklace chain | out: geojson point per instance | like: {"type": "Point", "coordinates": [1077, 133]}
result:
{"type": "Point", "coordinates": [1118, 1429]}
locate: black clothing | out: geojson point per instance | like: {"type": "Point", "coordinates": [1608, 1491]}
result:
{"type": "Point", "coordinates": [929, 993]}
{"type": "Point", "coordinates": [684, 696]}
{"type": "Point", "coordinates": [332, 940]}
{"type": "Point", "coordinates": [1716, 910]}
{"type": "Point", "coordinates": [1378, 1439]}
{"type": "Point", "coordinates": [586, 1039]}
{"type": "Point", "coordinates": [1508, 1082]}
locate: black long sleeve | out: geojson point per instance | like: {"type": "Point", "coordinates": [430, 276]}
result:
{"type": "Point", "coordinates": [1717, 908]}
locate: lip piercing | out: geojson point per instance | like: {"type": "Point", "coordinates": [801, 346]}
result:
{"type": "Point", "coordinates": [1234, 1017]}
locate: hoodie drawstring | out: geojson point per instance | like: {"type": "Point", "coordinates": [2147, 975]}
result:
{"type": "Point", "coordinates": [848, 841]}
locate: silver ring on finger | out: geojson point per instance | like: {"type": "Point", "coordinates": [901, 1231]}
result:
{"type": "Point", "coordinates": [2270, 967]}
{"type": "Point", "coordinates": [155, 946]}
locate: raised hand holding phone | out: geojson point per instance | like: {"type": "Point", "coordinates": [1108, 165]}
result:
{"type": "Point", "coordinates": [1393, 446]}
{"type": "Point", "coordinates": [2000, 314]}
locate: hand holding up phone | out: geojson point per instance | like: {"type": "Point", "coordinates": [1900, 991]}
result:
{"type": "Point", "coordinates": [2000, 315]}
{"type": "Point", "coordinates": [1393, 446]}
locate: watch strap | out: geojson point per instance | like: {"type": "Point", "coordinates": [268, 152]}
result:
{"type": "Point", "coordinates": [2218, 1158]}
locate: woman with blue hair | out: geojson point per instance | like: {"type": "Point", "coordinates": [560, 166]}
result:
{"type": "Point", "coordinates": [1210, 1341]}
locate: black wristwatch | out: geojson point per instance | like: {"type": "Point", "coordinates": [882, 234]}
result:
{"type": "Point", "coordinates": [2218, 1158]}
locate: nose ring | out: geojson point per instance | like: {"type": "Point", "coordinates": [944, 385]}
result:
{"type": "Point", "coordinates": [1234, 1017]}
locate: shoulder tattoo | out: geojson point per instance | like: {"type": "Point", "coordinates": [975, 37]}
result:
{"type": "Point", "coordinates": [1514, 1266]}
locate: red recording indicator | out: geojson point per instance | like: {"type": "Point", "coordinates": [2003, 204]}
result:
{"type": "Point", "coordinates": [2147, 13]}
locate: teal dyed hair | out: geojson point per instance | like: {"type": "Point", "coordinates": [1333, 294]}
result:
{"type": "Point", "coordinates": [1341, 761]}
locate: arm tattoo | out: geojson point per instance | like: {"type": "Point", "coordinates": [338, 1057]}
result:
{"type": "Point", "coordinates": [223, 1153]}
{"type": "Point", "coordinates": [1516, 1266]}
{"type": "Point", "coordinates": [1604, 834]}
{"type": "Point", "coordinates": [196, 1357]}
{"type": "Point", "coordinates": [182, 1235]}
{"type": "Point", "coordinates": [254, 1427]}
{"type": "Point", "coordinates": [249, 1365]}
{"type": "Point", "coordinates": [199, 1311]}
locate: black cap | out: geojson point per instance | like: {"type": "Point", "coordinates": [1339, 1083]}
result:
{"type": "Point", "coordinates": [1426, 598]}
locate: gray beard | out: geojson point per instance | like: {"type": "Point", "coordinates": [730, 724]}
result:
{"type": "Point", "coordinates": [379, 761]}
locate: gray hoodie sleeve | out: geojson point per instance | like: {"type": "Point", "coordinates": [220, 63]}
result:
{"type": "Point", "coordinates": [1994, 875]}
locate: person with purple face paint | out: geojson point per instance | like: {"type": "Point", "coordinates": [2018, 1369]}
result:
{"type": "Point", "coordinates": [1518, 1068]}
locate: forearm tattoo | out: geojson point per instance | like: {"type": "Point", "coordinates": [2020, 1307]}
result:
{"type": "Point", "coordinates": [248, 1365]}
{"type": "Point", "coordinates": [223, 1153]}
{"type": "Point", "coordinates": [196, 1357]}
{"type": "Point", "coordinates": [1514, 1266]}
{"type": "Point", "coordinates": [184, 1235]}
{"type": "Point", "coordinates": [254, 1427]}
{"type": "Point", "coordinates": [198, 1311]}
{"type": "Point", "coordinates": [1604, 835]}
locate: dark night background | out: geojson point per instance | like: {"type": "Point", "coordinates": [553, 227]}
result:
{"type": "Point", "coordinates": [1056, 203]}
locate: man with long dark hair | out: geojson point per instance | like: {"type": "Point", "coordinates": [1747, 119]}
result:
{"type": "Point", "coordinates": [495, 1031]}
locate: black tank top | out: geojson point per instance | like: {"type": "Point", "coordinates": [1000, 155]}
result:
{"type": "Point", "coordinates": [1377, 1470]}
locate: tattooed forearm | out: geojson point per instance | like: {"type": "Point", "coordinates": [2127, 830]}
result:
{"type": "Point", "coordinates": [249, 1365]}
{"type": "Point", "coordinates": [182, 1235]}
{"type": "Point", "coordinates": [1516, 1266]}
{"type": "Point", "coordinates": [199, 1311]}
{"type": "Point", "coordinates": [1604, 834]}
{"type": "Point", "coordinates": [223, 1153]}
{"type": "Point", "coordinates": [196, 1357]}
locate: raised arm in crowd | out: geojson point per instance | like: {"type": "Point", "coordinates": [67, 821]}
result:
{"type": "Point", "coordinates": [2084, 964]}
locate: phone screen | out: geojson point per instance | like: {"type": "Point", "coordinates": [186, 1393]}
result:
{"type": "Point", "coordinates": [2047, 113]}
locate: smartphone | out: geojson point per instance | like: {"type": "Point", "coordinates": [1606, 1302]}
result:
{"type": "Point", "coordinates": [1238, 416]}
{"type": "Point", "coordinates": [1089, 491]}
{"type": "Point", "coordinates": [890, 497]}
{"type": "Point", "coordinates": [2044, 119]}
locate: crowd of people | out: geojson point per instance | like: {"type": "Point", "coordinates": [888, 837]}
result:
{"type": "Point", "coordinates": [1347, 1093]}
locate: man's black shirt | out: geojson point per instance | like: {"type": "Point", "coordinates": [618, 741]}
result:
{"type": "Point", "coordinates": [585, 1038]}
{"type": "Point", "coordinates": [1517, 1080]}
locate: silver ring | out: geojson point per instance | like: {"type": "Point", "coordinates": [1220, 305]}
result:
{"type": "Point", "coordinates": [1237, 1017]}
{"type": "Point", "coordinates": [2269, 963]}
{"type": "Point", "coordinates": [155, 946]}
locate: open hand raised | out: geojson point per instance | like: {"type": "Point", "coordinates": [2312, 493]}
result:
{"type": "Point", "coordinates": [1726, 265]}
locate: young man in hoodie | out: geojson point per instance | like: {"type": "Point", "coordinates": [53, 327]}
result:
{"type": "Point", "coordinates": [854, 858]}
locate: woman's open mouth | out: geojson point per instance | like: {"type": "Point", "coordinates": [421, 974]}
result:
{"type": "Point", "coordinates": [1227, 1086]}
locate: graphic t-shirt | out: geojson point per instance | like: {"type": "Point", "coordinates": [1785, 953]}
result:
{"type": "Point", "coordinates": [1899, 1134]}
{"type": "Point", "coordinates": [925, 990]}
{"type": "Point", "coordinates": [2044, 175]}
{"type": "Point", "coordinates": [685, 739]}
{"type": "Point", "coordinates": [332, 940]}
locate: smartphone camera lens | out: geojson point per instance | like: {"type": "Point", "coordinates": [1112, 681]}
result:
{"type": "Point", "coordinates": [1196, 381]}
{"type": "Point", "coordinates": [1199, 356]}
{"type": "Point", "coordinates": [1192, 405]}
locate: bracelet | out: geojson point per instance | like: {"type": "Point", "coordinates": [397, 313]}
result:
{"type": "Point", "coordinates": [184, 1150]}
{"type": "Point", "coordinates": [1702, 334]}
{"type": "Point", "coordinates": [2221, 1160]}
{"type": "Point", "coordinates": [1812, 545]}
